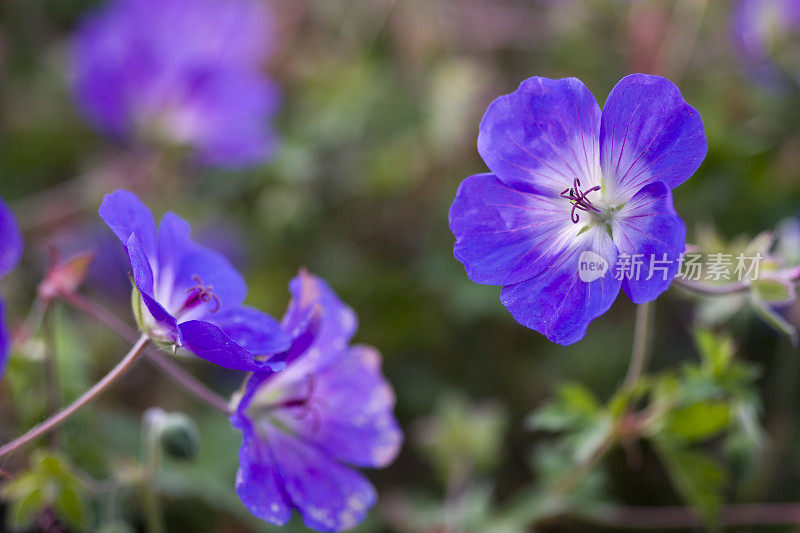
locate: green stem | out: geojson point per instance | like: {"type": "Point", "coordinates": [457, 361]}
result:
{"type": "Point", "coordinates": [151, 450]}
{"type": "Point", "coordinates": [641, 344]}
{"type": "Point", "coordinates": [641, 340]}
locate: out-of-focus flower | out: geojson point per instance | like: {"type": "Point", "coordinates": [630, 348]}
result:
{"type": "Point", "coordinates": [571, 186]}
{"type": "Point", "coordinates": [767, 35]}
{"type": "Point", "coordinates": [11, 245]}
{"type": "Point", "coordinates": [187, 72]}
{"type": "Point", "coordinates": [192, 296]}
{"type": "Point", "coordinates": [331, 407]}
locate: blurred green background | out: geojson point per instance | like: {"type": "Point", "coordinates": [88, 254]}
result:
{"type": "Point", "coordinates": [381, 103]}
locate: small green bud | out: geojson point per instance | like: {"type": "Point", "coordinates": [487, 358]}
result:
{"type": "Point", "coordinates": [179, 436]}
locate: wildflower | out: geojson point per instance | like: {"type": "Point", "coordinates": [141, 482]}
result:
{"type": "Point", "coordinates": [302, 427]}
{"type": "Point", "coordinates": [573, 188]}
{"type": "Point", "coordinates": [189, 295]}
{"type": "Point", "coordinates": [186, 72]}
{"type": "Point", "coordinates": [766, 33]}
{"type": "Point", "coordinates": [11, 245]}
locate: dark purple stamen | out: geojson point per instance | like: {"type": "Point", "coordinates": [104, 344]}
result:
{"type": "Point", "coordinates": [200, 293]}
{"type": "Point", "coordinates": [579, 199]}
{"type": "Point", "coordinates": [304, 404]}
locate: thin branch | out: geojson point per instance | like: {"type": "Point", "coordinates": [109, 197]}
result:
{"type": "Point", "coordinates": [166, 365]}
{"type": "Point", "coordinates": [712, 289]}
{"type": "Point", "coordinates": [674, 517]}
{"type": "Point", "coordinates": [99, 387]}
{"type": "Point", "coordinates": [187, 381]}
{"type": "Point", "coordinates": [641, 344]}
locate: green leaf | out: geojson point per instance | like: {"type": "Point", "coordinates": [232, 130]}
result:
{"type": "Point", "coordinates": [761, 243]}
{"type": "Point", "coordinates": [573, 408]}
{"type": "Point", "coordinates": [772, 290]}
{"type": "Point", "coordinates": [695, 475]}
{"type": "Point", "coordinates": [70, 505]}
{"type": "Point", "coordinates": [585, 443]}
{"type": "Point", "coordinates": [50, 481]}
{"type": "Point", "coordinates": [24, 510]}
{"type": "Point", "coordinates": [699, 421]}
{"type": "Point", "coordinates": [625, 397]}
{"type": "Point", "coordinates": [716, 350]}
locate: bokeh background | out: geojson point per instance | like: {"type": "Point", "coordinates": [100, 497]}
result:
{"type": "Point", "coordinates": [381, 101]}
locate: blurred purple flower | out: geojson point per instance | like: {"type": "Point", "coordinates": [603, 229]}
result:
{"type": "Point", "coordinates": [329, 408]}
{"type": "Point", "coordinates": [767, 35]}
{"type": "Point", "coordinates": [192, 295]}
{"type": "Point", "coordinates": [11, 245]}
{"type": "Point", "coordinates": [184, 71]}
{"type": "Point", "coordinates": [572, 185]}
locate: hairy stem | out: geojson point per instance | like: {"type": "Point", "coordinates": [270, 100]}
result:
{"type": "Point", "coordinates": [641, 340]}
{"type": "Point", "coordinates": [712, 289]}
{"type": "Point", "coordinates": [99, 387]}
{"type": "Point", "coordinates": [734, 287]}
{"type": "Point", "coordinates": [641, 344]}
{"type": "Point", "coordinates": [154, 518]}
{"type": "Point", "coordinates": [166, 365]}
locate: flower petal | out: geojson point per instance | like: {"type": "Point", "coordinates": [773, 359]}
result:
{"type": "Point", "coordinates": [253, 330]}
{"type": "Point", "coordinates": [558, 303]}
{"type": "Point", "coordinates": [349, 413]}
{"type": "Point", "coordinates": [142, 274]}
{"type": "Point", "coordinates": [329, 496]}
{"type": "Point", "coordinates": [11, 239]}
{"type": "Point", "coordinates": [648, 225]}
{"type": "Point", "coordinates": [206, 340]}
{"type": "Point", "coordinates": [317, 311]}
{"type": "Point", "coordinates": [542, 136]}
{"type": "Point", "coordinates": [226, 116]}
{"type": "Point", "coordinates": [125, 214]}
{"type": "Point", "coordinates": [505, 235]}
{"type": "Point", "coordinates": [181, 262]}
{"type": "Point", "coordinates": [5, 340]}
{"type": "Point", "coordinates": [648, 133]}
{"type": "Point", "coordinates": [257, 482]}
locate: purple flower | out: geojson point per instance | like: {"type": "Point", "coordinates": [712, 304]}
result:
{"type": "Point", "coordinates": [184, 71]}
{"type": "Point", "coordinates": [571, 188]}
{"type": "Point", "coordinates": [11, 246]}
{"type": "Point", "coordinates": [191, 296]}
{"type": "Point", "coordinates": [302, 427]}
{"type": "Point", "coordinates": [766, 34]}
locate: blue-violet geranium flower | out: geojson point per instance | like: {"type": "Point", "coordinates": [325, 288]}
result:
{"type": "Point", "coordinates": [570, 184]}
{"type": "Point", "coordinates": [11, 245]}
{"type": "Point", "coordinates": [184, 72]}
{"type": "Point", "coordinates": [301, 428]}
{"type": "Point", "coordinates": [191, 296]}
{"type": "Point", "coordinates": [766, 34]}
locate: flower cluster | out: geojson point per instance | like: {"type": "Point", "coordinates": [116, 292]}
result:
{"type": "Point", "coordinates": [314, 403]}
{"type": "Point", "coordinates": [11, 246]}
{"type": "Point", "coordinates": [571, 184]}
{"type": "Point", "coordinates": [187, 72]}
